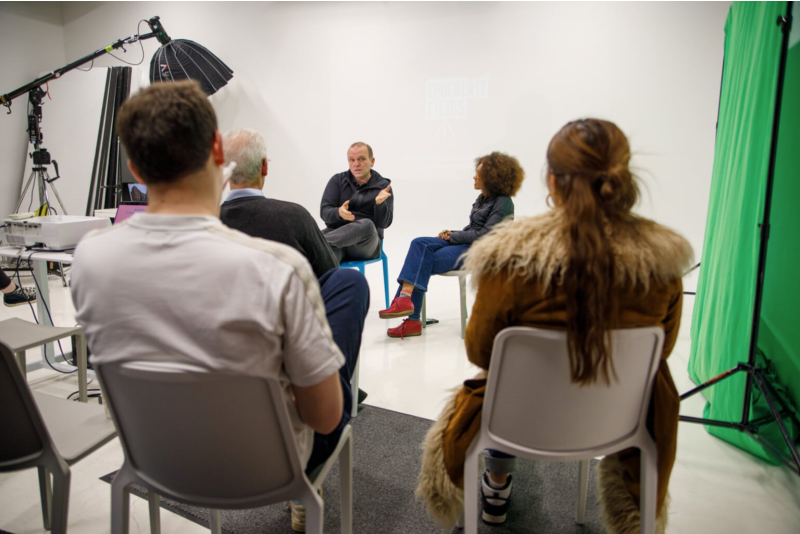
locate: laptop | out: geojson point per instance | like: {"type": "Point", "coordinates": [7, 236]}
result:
{"type": "Point", "coordinates": [137, 195]}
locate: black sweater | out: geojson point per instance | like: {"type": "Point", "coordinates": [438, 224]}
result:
{"type": "Point", "coordinates": [284, 222]}
{"type": "Point", "coordinates": [342, 187]}
{"type": "Point", "coordinates": [486, 212]}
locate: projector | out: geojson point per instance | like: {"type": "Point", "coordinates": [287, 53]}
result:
{"type": "Point", "coordinates": [54, 232]}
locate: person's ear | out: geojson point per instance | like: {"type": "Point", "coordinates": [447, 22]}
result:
{"type": "Point", "coordinates": [135, 173]}
{"type": "Point", "coordinates": [217, 153]}
{"type": "Point", "coordinates": [264, 167]}
{"type": "Point", "coordinates": [371, 163]}
{"type": "Point", "coordinates": [551, 183]}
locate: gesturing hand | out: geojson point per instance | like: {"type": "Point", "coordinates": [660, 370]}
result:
{"type": "Point", "coordinates": [344, 213]}
{"type": "Point", "coordinates": [383, 195]}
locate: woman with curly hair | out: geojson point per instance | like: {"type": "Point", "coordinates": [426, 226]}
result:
{"type": "Point", "coordinates": [498, 177]}
{"type": "Point", "coordinates": [587, 267]}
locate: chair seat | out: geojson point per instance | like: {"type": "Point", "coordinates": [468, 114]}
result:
{"type": "Point", "coordinates": [22, 335]}
{"type": "Point", "coordinates": [77, 429]}
{"type": "Point", "coordinates": [19, 336]}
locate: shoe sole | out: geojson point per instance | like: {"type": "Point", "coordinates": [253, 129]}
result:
{"type": "Point", "coordinates": [19, 303]}
{"type": "Point", "coordinates": [405, 335]}
{"type": "Point", "coordinates": [395, 315]}
{"type": "Point", "coordinates": [493, 519]}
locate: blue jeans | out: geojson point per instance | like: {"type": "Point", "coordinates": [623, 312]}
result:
{"type": "Point", "coordinates": [427, 256]}
{"type": "Point", "coordinates": [346, 296]}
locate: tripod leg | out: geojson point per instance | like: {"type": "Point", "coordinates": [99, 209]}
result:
{"type": "Point", "coordinates": [58, 198]}
{"type": "Point", "coordinates": [777, 397]}
{"type": "Point", "coordinates": [24, 191]}
{"type": "Point", "coordinates": [765, 390]}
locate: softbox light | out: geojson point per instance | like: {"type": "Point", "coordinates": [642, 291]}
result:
{"type": "Point", "coordinates": [182, 59]}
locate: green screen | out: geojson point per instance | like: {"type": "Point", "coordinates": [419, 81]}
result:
{"type": "Point", "coordinates": [723, 312]}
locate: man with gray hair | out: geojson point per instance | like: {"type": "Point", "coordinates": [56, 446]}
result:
{"type": "Point", "coordinates": [247, 209]}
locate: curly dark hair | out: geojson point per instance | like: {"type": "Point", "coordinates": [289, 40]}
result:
{"type": "Point", "coordinates": [501, 174]}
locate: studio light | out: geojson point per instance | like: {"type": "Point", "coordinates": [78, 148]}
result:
{"type": "Point", "coordinates": [182, 59]}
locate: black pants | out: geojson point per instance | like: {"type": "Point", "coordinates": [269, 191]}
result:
{"type": "Point", "coordinates": [346, 296]}
{"type": "Point", "coordinates": [355, 241]}
{"type": "Point", "coordinates": [5, 281]}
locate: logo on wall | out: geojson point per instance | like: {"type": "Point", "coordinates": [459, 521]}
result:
{"type": "Point", "coordinates": [447, 99]}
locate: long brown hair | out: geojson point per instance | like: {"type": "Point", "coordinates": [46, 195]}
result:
{"type": "Point", "coordinates": [593, 186]}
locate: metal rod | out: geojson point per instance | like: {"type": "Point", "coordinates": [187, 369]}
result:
{"type": "Point", "coordinates": [704, 385]}
{"type": "Point", "coordinates": [785, 24]}
{"type": "Point", "coordinates": [712, 422]}
{"type": "Point", "coordinates": [784, 406]}
{"type": "Point", "coordinates": [7, 98]}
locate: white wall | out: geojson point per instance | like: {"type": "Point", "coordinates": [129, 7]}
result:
{"type": "Point", "coordinates": [315, 77]}
{"type": "Point", "coordinates": [31, 40]}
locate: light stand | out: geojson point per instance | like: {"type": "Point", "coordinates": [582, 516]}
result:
{"type": "Point", "coordinates": [756, 372]}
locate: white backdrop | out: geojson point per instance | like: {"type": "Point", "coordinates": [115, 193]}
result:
{"type": "Point", "coordinates": [433, 85]}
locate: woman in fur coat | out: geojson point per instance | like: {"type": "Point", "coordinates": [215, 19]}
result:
{"type": "Point", "coordinates": [587, 266]}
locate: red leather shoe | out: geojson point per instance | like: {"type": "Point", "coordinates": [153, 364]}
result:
{"type": "Point", "coordinates": [408, 328]}
{"type": "Point", "coordinates": [401, 307]}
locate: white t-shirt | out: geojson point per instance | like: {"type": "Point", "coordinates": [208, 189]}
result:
{"type": "Point", "coordinates": [187, 289]}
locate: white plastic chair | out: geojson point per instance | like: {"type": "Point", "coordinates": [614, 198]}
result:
{"type": "Point", "coordinates": [533, 410]}
{"type": "Point", "coordinates": [462, 285]}
{"type": "Point", "coordinates": [210, 439]}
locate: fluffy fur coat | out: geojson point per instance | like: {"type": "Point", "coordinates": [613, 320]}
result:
{"type": "Point", "coordinates": [513, 268]}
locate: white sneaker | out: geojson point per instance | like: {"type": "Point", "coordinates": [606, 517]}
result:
{"type": "Point", "coordinates": [495, 501]}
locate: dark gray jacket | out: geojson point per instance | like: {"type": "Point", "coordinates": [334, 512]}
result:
{"type": "Point", "coordinates": [486, 212]}
{"type": "Point", "coordinates": [343, 186]}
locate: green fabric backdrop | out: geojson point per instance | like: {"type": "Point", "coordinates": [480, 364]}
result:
{"type": "Point", "coordinates": [723, 311]}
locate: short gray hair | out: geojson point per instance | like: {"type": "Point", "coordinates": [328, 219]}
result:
{"type": "Point", "coordinates": [248, 149]}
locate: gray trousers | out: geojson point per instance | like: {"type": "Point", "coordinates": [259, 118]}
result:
{"type": "Point", "coordinates": [499, 463]}
{"type": "Point", "coordinates": [355, 241]}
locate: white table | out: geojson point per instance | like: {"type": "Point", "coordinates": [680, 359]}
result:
{"type": "Point", "coordinates": [39, 265]}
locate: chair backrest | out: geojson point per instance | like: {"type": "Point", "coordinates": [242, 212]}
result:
{"type": "Point", "coordinates": [204, 437]}
{"type": "Point", "coordinates": [531, 402]}
{"type": "Point", "coordinates": [24, 434]}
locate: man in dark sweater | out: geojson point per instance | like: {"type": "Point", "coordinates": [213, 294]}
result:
{"type": "Point", "coordinates": [247, 210]}
{"type": "Point", "coordinates": [356, 206]}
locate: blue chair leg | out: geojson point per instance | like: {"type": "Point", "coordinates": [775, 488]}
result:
{"type": "Point", "coordinates": [386, 278]}
{"type": "Point", "coordinates": [361, 268]}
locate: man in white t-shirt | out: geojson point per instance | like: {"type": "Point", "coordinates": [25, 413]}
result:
{"type": "Point", "coordinates": [174, 284]}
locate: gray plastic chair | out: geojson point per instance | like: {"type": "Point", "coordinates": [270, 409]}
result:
{"type": "Point", "coordinates": [22, 335]}
{"type": "Point", "coordinates": [210, 439]}
{"type": "Point", "coordinates": [47, 433]}
{"type": "Point", "coordinates": [462, 286]}
{"type": "Point", "coordinates": [533, 410]}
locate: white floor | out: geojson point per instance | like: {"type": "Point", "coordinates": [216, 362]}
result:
{"type": "Point", "coordinates": [715, 487]}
